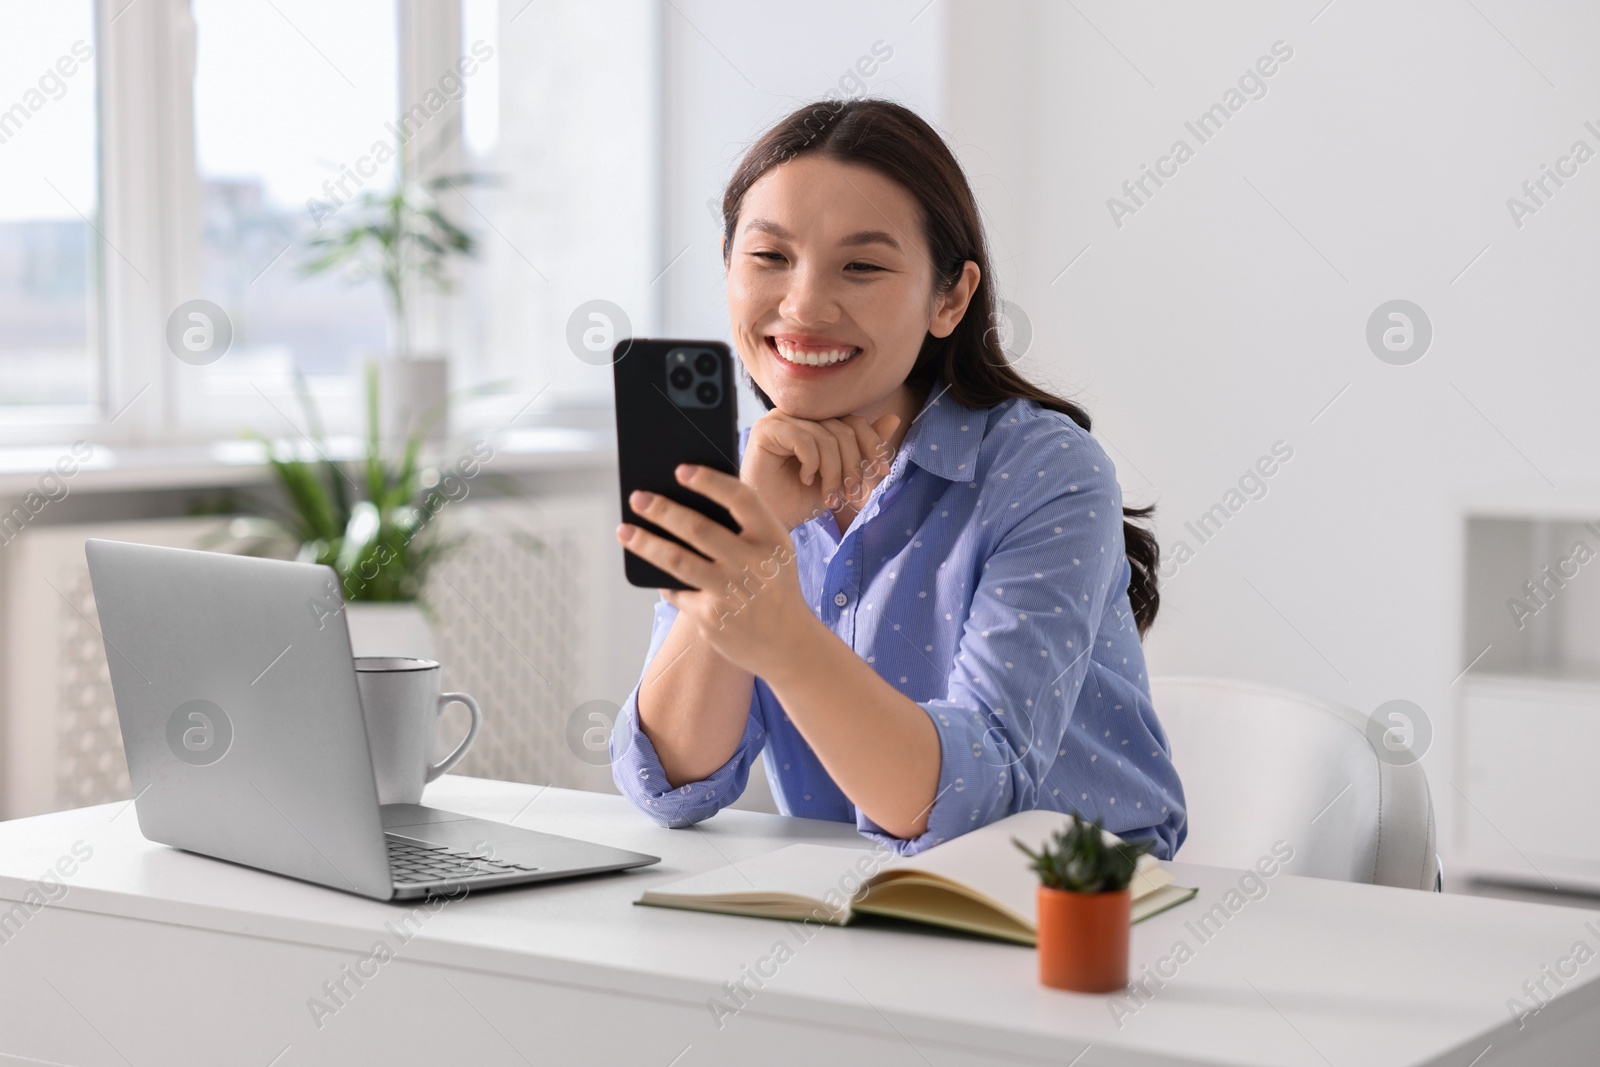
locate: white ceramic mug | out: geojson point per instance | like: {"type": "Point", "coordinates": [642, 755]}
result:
{"type": "Point", "coordinates": [401, 703]}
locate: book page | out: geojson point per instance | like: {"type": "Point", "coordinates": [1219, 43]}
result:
{"type": "Point", "coordinates": [987, 864]}
{"type": "Point", "coordinates": [921, 898]}
{"type": "Point", "coordinates": [979, 882]}
{"type": "Point", "coordinates": [796, 877]}
{"type": "Point", "coordinates": [1159, 901]}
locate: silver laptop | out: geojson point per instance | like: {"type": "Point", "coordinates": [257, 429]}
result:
{"type": "Point", "coordinates": [292, 790]}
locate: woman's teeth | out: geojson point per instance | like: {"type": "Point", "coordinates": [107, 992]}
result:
{"type": "Point", "coordinates": [812, 357]}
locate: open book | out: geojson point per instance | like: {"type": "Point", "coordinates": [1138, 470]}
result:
{"type": "Point", "coordinates": [979, 882]}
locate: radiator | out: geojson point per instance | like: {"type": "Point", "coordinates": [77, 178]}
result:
{"type": "Point", "coordinates": [532, 632]}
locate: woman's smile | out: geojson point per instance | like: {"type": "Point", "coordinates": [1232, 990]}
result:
{"type": "Point", "coordinates": [806, 356]}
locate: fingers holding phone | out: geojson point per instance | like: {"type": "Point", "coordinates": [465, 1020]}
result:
{"type": "Point", "coordinates": [744, 598]}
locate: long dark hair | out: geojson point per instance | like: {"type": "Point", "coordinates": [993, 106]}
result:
{"type": "Point", "coordinates": [897, 143]}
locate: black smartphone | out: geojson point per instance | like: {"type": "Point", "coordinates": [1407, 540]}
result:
{"type": "Point", "coordinates": [676, 402]}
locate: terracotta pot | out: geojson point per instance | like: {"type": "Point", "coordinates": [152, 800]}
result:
{"type": "Point", "coordinates": [1083, 939]}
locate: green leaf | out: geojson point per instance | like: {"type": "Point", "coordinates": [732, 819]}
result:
{"type": "Point", "coordinates": [340, 507]}
{"type": "Point", "coordinates": [1079, 860]}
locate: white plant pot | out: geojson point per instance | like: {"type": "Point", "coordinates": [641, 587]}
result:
{"type": "Point", "coordinates": [392, 629]}
{"type": "Point", "coordinates": [407, 390]}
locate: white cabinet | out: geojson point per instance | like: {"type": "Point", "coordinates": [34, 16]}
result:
{"type": "Point", "coordinates": [1528, 750]}
{"type": "Point", "coordinates": [1528, 736]}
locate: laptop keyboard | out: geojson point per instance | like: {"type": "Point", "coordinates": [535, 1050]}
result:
{"type": "Point", "coordinates": [411, 862]}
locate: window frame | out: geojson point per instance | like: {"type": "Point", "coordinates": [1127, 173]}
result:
{"type": "Point", "coordinates": [150, 216]}
{"type": "Point", "coordinates": [147, 254]}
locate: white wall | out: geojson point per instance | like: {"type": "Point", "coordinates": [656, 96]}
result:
{"type": "Point", "coordinates": [1230, 310]}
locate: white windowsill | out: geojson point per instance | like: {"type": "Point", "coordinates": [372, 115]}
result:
{"type": "Point", "coordinates": [222, 464]}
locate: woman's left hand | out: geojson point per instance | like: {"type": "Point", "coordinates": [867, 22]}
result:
{"type": "Point", "coordinates": [746, 601]}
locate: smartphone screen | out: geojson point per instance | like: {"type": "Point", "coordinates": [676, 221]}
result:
{"type": "Point", "coordinates": [676, 402]}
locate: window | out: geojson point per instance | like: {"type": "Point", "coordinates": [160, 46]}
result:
{"type": "Point", "coordinates": [49, 208]}
{"type": "Point", "coordinates": [153, 155]}
{"type": "Point", "coordinates": [474, 335]}
{"type": "Point", "coordinates": [273, 155]}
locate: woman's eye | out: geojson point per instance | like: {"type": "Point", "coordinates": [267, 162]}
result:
{"type": "Point", "coordinates": [856, 267]}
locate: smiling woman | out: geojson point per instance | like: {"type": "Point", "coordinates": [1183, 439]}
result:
{"type": "Point", "coordinates": [931, 616]}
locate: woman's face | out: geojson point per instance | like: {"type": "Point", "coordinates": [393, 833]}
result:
{"type": "Point", "coordinates": [830, 288]}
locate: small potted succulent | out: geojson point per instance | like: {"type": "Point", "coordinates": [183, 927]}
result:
{"type": "Point", "coordinates": [1085, 907]}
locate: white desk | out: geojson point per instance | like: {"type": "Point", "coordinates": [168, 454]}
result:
{"type": "Point", "coordinates": [157, 957]}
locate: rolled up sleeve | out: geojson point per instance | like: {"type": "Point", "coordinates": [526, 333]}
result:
{"type": "Point", "coordinates": [636, 768]}
{"type": "Point", "coordinates": [1023, 655]}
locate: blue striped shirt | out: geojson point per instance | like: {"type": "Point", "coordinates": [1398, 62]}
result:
{"type": "Point", "coordinates": [985, 579]}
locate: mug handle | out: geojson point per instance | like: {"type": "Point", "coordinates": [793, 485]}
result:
{"type": "Point", "coordinates": [449, 761]}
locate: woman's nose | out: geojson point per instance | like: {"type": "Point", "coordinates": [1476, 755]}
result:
{"type": "Point", "coordinates": [808, 299]}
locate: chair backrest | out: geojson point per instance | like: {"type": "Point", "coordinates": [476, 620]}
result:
{"type": "Point", "coordinates": [1261, 765]}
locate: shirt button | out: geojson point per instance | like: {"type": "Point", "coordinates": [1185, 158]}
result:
{"type": "Point", "coordinates": [840, 599]}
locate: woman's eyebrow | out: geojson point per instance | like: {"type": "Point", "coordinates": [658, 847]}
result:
{"type": "Point", "coordinates": [871, 237]}
{"type": "Point", "coordinates": [864, 237]}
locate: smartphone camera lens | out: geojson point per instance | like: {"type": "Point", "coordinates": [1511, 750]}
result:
{"type": "Point", "coordinates": [694, 377]}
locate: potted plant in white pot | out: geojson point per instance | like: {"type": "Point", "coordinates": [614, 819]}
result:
{"type": "Point", "coordinates": [373, 520]}
{"type": "Point", "coordinates": [403, 238]}
{"type": "Point", "coordinates": [1085, 907]}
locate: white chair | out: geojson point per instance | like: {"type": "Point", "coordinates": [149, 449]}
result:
{"type": "Point", "coordinates": [1261, 765]}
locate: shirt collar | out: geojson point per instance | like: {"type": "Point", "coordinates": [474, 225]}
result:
{"type": "Point", "coordinates": [945, 436]}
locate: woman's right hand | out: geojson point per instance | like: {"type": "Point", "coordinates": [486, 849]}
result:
{"type": "Point", "coordinates": [801, 468]}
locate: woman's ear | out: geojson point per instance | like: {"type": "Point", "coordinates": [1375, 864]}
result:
{"type": "Point", "coordinates": [951, 306]}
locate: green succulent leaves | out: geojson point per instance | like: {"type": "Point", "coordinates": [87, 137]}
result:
{"type": "Point", "coordinates": [1079, 861]}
